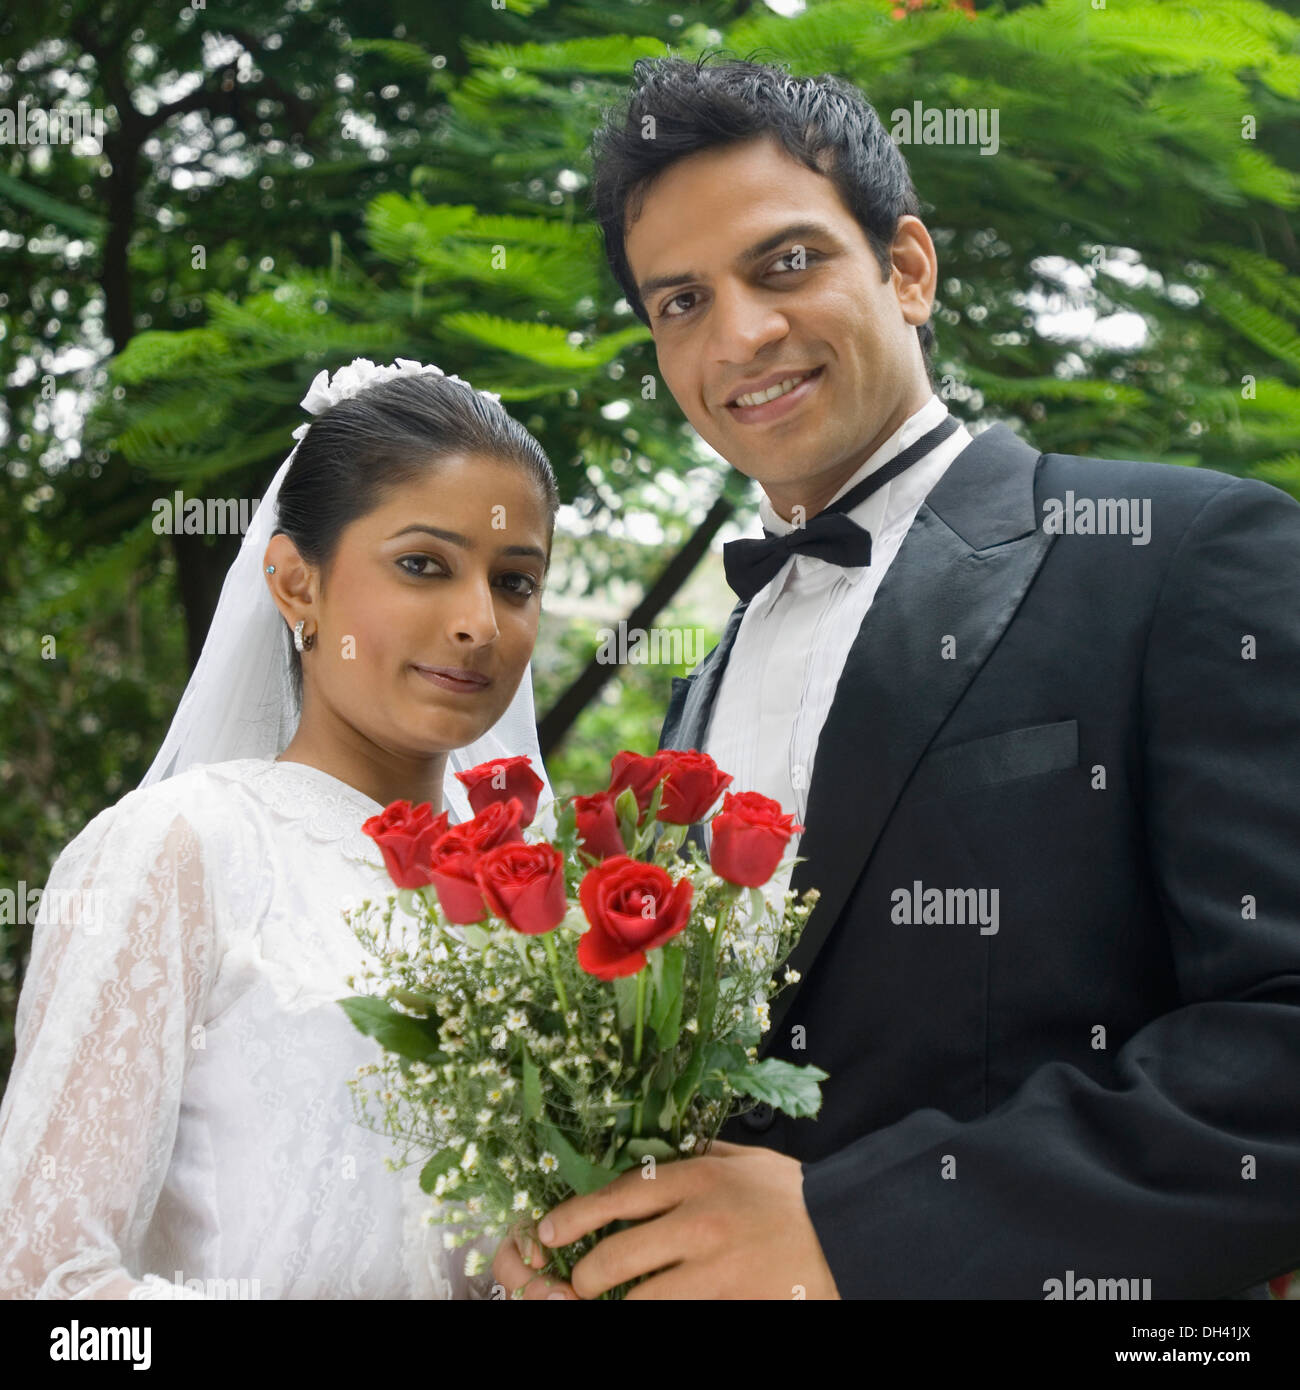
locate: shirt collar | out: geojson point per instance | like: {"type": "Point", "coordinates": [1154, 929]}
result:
{"type": "Point", "coordinates": [916, 424]}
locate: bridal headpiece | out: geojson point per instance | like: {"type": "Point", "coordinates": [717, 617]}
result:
{"type": "Point", "coordinates": [326, 390]}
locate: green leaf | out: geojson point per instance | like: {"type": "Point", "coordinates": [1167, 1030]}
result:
{"type": "Point", "coordinates": [627, 811]}
{"type": "Point", "coordinates": [580, 1173]}
{"type": "Point", "coordinates": [666, 1017]}
{"type": "Point", "coordinates": [475, 935]}
{"type": "Point", "coordinates": [625, 998]}
{"type": "Point", "coordinates": [545, 344]}
{"type": "Point", "coordinates": [436, 1166]}
{"type": "Point", "coordinates": [661, 1149]}
{"type": "Point", "coordinates": [757, 905]}
{"type": "Point", "coordinates": [407, 1037]}
{"type": "Point", "coordinates": [414, 1000]}
{"type": "Point", "coordinates": [783, 1085]}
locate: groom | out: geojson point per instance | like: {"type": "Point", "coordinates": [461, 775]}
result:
{"type": "Point", "coordinates": [1042, 731]}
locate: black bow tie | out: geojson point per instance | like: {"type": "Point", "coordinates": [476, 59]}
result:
{"type": "Point", "coordinates": [830, 535]}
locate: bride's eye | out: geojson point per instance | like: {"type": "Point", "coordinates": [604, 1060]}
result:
{"type": "Point", "coordinates": [420, 560]}
{"type": "Point", "coordinates": [528, 579]}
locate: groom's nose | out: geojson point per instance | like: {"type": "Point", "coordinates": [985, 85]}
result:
{"type": "Point", "coordinates": [741, 325]}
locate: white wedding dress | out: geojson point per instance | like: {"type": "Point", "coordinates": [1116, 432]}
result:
{"type": "Point", "coordinates": [178, 1116]}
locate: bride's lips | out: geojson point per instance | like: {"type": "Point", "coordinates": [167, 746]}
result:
{"type": "Point", "coordinates": [782, 405]}
{"type": "Point", "coordinates": [454, 678]}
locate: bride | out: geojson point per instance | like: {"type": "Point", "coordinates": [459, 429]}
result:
{"type": "Point", "coordinates": [178, 1122]}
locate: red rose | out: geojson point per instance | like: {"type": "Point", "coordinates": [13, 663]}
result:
{"type": "Point", "coordinates": [632, 907]}
{"type": "Point", "coordinates": [405, 836]}
{"type": "Point", "coordinates": [749, 836]}
{"type": "Point", "coordinates": [524, 885]}
{"type": "Point", "coordinates": [597, 823]}
{"type": "Point", "coordinates": [642, 774]}
{"type": "Point", "coordinates": [501, 779]}
{"type": "Point", "coordinates": [692, 784]}
{"type": "Point", "coordinates": [455, 858]}
{"type": "Point", "coordinates": [498, 823]}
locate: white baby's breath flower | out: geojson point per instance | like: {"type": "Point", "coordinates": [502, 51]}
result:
{"type": "Point", "coordinates": [687, 1144]}
{"type": "Point", "coordinates": [494, 994]}
{"type": "Point", "coordinates": [474, 1262]}
{"type": "Point", "coordinates": [792, 977]}
{"type": "Point", "coordinates": [475, 1206]}
{"type": "Point", "coordinates": [521, 1201]}
{"type": "Point", "coordinates": [469, 1159]}
{"type": "Point", "coordinates": [496, 1095]}
{"type": "Point", "coordinates": [548, 1162]}
{"type": "Point", "coordinates": [516, 1019]}
{"type": "Point", "coordinates": [484, 1117]}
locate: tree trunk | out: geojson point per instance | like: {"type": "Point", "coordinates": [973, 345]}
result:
{"type": "Point", "coordinates": [200, 572]}
{"type": "Point", "coordinates": [560, 718]}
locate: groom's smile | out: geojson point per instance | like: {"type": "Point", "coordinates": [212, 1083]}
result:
{"type": "Point", "coordinates": [774, 331]}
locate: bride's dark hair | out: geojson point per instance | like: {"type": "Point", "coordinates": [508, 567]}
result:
{"type": "Point", "coordinates": [388, 435]}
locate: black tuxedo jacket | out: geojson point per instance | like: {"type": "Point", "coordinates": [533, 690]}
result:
{"type": "Point", "coordinates": [1107, 734]}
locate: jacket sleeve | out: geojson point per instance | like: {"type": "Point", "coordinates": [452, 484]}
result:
{"type": "Point", "coordinates": [1185, 1169]}
{"type": "Point", "coordinates": [118, 979]}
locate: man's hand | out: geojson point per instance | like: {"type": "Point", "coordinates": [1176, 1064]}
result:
{"type": "Point", "coordinates": [729, 1224]}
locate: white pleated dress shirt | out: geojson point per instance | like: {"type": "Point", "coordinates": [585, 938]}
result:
{"type": "Point", "coordinates": [795, 636]}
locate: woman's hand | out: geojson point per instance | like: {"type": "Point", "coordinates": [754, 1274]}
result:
{"type": "Point", "coordinates": [516, 1265]}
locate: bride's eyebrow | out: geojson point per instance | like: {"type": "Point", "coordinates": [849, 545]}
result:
{"type": "Point", "coordinates": [464, 541]}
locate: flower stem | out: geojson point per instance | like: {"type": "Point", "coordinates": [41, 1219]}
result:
{"type": "Point", "coordinates": [549, 942]}
{"type": "Point", "coordinates": [640, 1029]}
{"type": "Point", "coordinates": [640, 1013]}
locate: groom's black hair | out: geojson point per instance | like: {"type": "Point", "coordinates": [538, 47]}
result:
{"type": "Point", "coordinates": [360, 448]}
{"type": "Point", "coordinates": [677, 108]}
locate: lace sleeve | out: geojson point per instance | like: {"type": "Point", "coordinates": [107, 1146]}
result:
{"type": "Point", "coordinates": [121, 962]}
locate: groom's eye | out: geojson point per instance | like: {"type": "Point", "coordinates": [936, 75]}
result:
{"type": "Point", "coordinates": [808, 258]}
{"type": "Point", "coordinates": [663, 312]}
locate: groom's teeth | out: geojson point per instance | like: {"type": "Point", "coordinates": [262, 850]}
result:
{"type": "Point", "coordinates": [772, 392]}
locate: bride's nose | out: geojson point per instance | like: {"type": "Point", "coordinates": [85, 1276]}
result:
{"type": "Point", "coordinates": [472, 615]}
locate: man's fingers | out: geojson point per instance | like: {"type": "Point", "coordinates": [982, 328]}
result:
{"type": "Point", "coordinates": [630, 1197]}
{"type": "Point", "coordinates": [626, 1255]}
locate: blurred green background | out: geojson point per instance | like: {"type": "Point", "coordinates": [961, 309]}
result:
{"type": "Point", "coordinates": [282, 187]}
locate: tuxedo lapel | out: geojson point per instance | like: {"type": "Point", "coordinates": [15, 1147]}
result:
{"type": "Point", "coordinates": [692, 696]}
{"type": "Point", "coordinates": [691, 703]}
{"type": "Point", "coordinates": [961, 573]}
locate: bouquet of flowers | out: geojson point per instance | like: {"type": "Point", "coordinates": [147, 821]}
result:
{"type": "Point", "coordinates": [553, 1012]}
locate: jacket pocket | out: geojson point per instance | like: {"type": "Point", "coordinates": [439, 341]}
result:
{"type": "Point", "coordinates": [997, 758]}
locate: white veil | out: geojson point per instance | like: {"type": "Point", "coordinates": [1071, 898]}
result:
{"type": "Point", "coordinates": [239, 702]}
